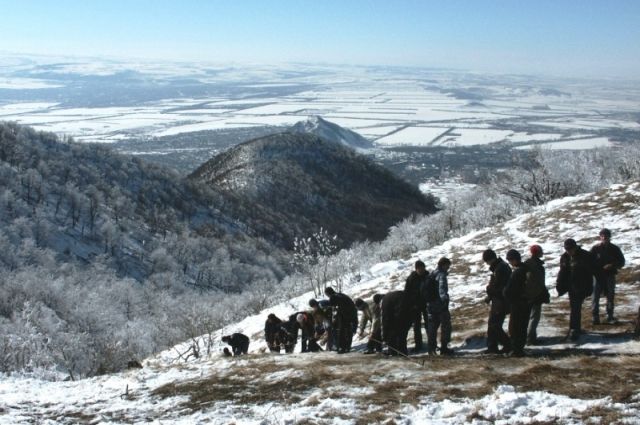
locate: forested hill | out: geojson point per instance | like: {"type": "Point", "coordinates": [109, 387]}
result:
{"type": "Point", "coordinates": [64, 202]}
{"type": "Point", "coordinates": [316, 183]}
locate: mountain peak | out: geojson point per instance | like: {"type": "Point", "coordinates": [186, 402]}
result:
{"type": "Point", "coordinates": [332, 132]}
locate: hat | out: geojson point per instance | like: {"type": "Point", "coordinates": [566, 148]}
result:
{"type": "Point", "coordinates": [536, 251]}
{"type": "Point", "coordinates": [420, 264]}
{"type": "Point", "coordinates": [570, 243]}
{"type": "Point", "coordinates": [313, 302]}
{"type": "Point", "coordinates": [489, 255]}
{"type": "Point", "coordinates": [513, 254]}
{"type": "Point", "coordinates": [300, 318]}
{"type": "Point", "coordinates": [606, 233]}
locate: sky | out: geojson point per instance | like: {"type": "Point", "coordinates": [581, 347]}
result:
{"type": "Point", "coordinates": [592, 38]}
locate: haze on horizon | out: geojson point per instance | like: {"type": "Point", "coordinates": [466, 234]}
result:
{"type": "Point", "coordinates": [563, 38]}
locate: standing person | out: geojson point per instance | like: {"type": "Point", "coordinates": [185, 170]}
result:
{"type": "Point", "coordinates": [438, 308]}
{"type": "Point", "coordinates": [514, 293]}
{"type": "Point", "coordinates": [536, 291]}
{"type": "Point", "coordinates": [609, 260]}
{"type": "Point", "coordinates": [345, 316]}
{"type": "Point", "coordinates": [239, 343]}
{"type": "Point", "coordinates": [575, 277]}
{"type": "Point", "coordinates": [367, 316]}
{"type": "Point", "coordinates": [272, 332]}
{"type": "Point", "coordinates": [500, 273]}
{"type": "Point", "coordinates": [375, 338]}
{"type": "Point", "coordinates": [413, 304]}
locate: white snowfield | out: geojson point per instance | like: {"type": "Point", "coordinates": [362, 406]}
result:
{"type": "Point", "coordinates": [592, 381]}
{"type": "Point", "coordinates": [393, 107]}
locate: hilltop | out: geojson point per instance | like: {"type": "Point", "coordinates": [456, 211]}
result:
{"type": "Point", "coordinates": [312, 183]}
{"type": "Point", "coordinates": [332, 132]}
{"type": "Point", "coordinates": [559, 382]}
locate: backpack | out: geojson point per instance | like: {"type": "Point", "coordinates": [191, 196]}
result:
{"type": "Point", "coordinates": [534, 286]}
{"type": "Point", "coordinates": [429, 288]}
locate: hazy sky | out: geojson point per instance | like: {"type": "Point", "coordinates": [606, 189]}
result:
{"type": "Point", "coordinates": [562, 37]}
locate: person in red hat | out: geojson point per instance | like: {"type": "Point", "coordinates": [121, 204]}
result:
{"type": "Point", "coordinates": [536, 291]}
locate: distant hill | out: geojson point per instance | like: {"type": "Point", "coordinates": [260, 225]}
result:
{"type": "Point", "coordinates": [332, 132]}
{"type": "Point", "coordinates": [311, 183]}
{"type": "Point", "coordinates": [65, 202]}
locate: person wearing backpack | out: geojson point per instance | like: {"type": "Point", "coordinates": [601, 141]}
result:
{"type": "Point", "coordinates": [515, 294]}
{"type": "Point", "coordinates": [436, 290]}
{"type": "Point", "coordinates": [576, 278]}
{"type": "Point", "coordinates": [536, 291]}
{"type": "Point", "coordinates": [500, 273]}
{"type": "Point", "coordinates": [609, 260]}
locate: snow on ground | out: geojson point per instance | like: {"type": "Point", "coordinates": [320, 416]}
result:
{"type": "Point", "coordinates": [412, 136]}
{"type": "Point", "coordinates": [472, 136]}
{"type": "Point", "coordinates": [592, 381]}
{"type": "Point", "coordinates": [574, 144]}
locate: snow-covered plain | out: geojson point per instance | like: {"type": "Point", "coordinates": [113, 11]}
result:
{"type": "Point", "coordinates": [373, 101]}
{"type": "Point", "coordinates": [591, 381]}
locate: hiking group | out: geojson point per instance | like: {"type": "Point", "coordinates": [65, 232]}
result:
{"type": "Point", "coordinates": [516, 288]}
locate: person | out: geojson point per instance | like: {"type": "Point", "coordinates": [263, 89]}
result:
{"type": "Point", "coordinates": [609, 260]}
{"type": "Point", "coordinates": [438, 309]}
{"type": "Point", "coordinates": [395, 322]}
{"type": "Point", "coordinates": [239, 343]}
{"type": "Point", "coordinates": [374, 344]}
{"type": "Point", "coordinates": [345, 318]}
{"type": "Point", "coordinates": [576, 278]}
{"type": "Point", "coordinates": [500, 273]}
{"type": "Point", "coordinates": [322, 316]}
{"type": "Point", "coordinates": [367, 317]}
{"type": "Point", "coordinates": [413, 302]}
{"type": "Point", "coordinates": [308, 329]}
{"type": "Point", "coordinates": [514, 293]}
{"type": "Point", "coordinates": [272, 333]}
{"type": "Point", "coordinates": [536, 291]}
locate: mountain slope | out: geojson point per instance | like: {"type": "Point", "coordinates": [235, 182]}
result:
{"type": "Point", "coordinates": [331, 132]}
{"type": "Point", "coordinates": [314, 183]}
{"type": "Point", "coordinates": [592, 381]}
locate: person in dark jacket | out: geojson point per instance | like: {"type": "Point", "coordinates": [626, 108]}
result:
{"type": "Point", "coordinates": [609, 260]}
{"type": "Point", "coordinates": [536, 291]}
{"type": "Point", "coordinates": [345, 318]}
{"type": "Point", "coordinates": [438, 310]}
{"type": "Point", "coordinates": [575, 277]}
{"type": "Point", "coordinates": [272, 333]}
{"type": "Point", "coordinates": [239, 343]}
{"type": "Point", "coordinates": [395, 322]}
{"type": "Point", "coordinates": [413, 302]}
{"type": "Point", "coordinates": [500, 273]}
{"type": "Point", "coordinates": [514, 293]}
{"type": "Point", "coordinates": [374, 344]}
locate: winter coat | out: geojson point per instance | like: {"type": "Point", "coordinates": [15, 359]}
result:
{"type": "Point", "coordinates": [272, 331]}
{"type": "Point", "coordinates": [576, 274]}
{"type": "Point", "coordinates": [535, 289]}
{"type": "Point", "coordinates": [344, 309]}
{"type": "Point", "coordinates": [500, 273]}
{"type": "Point", "coordinates": [439, 278]}
{"type": "Point", "coordinates": [413, 301]}
{"type": "Point", "coordinates": [515, 290]}
{"type": "Point", "coordinates": [376, 321]}
{"type": "Point", "coordinates": [366, 317]}
{"type": "Point", "coordinates": [607, 253]}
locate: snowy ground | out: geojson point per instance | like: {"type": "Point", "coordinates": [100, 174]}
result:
{"type": "Point", "coordinates": [595, 380]}
{"type": "Point", "coordinates": [394, 107]}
